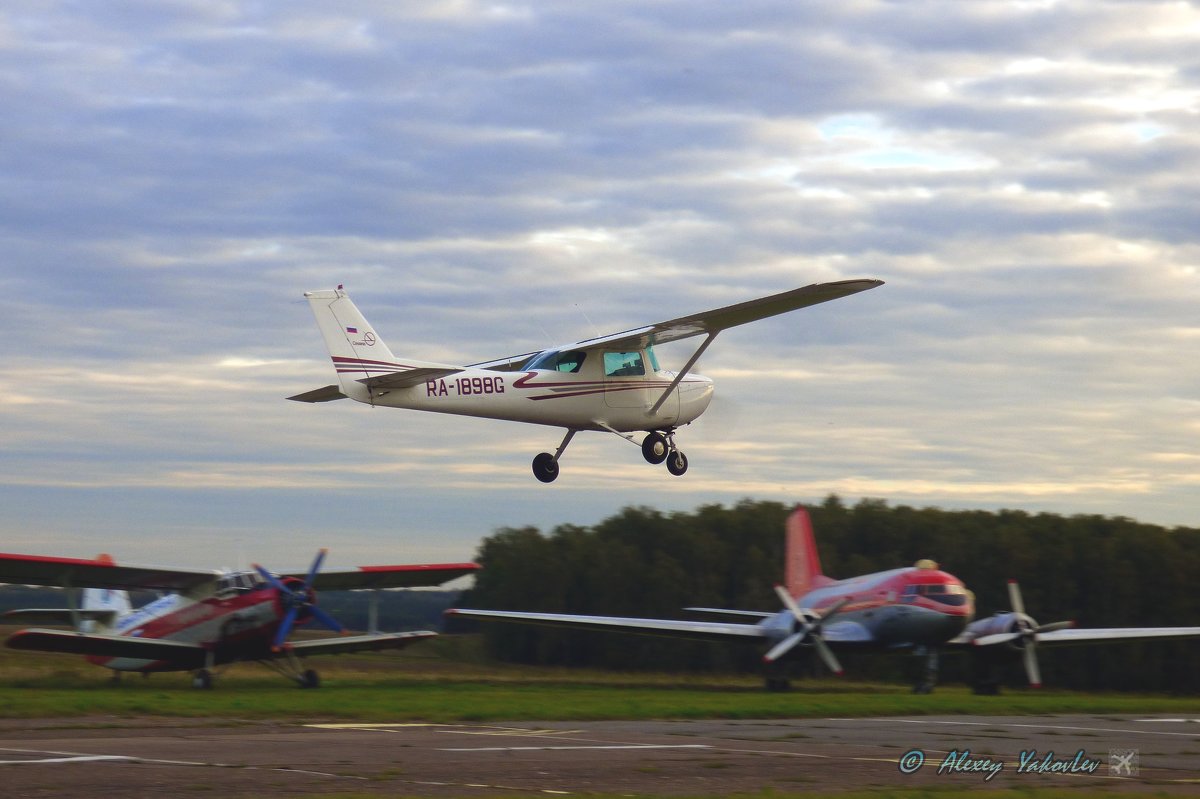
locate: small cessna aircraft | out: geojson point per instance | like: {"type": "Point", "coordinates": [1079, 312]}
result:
{"type": "Point", "coordinates": [918, 609]}
{"type": "Point", "coordinates": [207, 619]}
{"type": "Point", "coordinates": [611, 384]}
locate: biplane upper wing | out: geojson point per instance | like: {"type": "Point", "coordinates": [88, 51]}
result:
{"type": "Point", "coordinates": [117, 646]}
{"type": "Point", "coordinates": [718, 319]}
{"type": "Point", "coordinates": [102, 572]}
{"type": "Point", "coordinates": [407, 576]}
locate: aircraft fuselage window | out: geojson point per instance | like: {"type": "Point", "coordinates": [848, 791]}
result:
{"type": "Point", "coordinates": [623, 364]}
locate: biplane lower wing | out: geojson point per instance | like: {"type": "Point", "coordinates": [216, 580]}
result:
{"type": "Point", "coordinates": [116, 646]}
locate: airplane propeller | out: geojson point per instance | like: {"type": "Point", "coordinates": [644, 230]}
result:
{"type": "Point", "coordinates": [1024, 634]}
{"type": "Point", "coordinates": [810, 629]}
{"type": "Point", "coordinates": [296, 600]}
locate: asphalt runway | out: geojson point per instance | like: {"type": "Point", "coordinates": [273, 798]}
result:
{"type": "Point", "coordinates": [110, 757]}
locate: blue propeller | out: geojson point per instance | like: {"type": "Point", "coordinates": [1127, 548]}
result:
{"type": "Point", "coordinates": [297, 600]}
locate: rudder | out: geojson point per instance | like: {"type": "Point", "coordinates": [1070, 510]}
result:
{"type": "Point", "coordinates": [802, 563]}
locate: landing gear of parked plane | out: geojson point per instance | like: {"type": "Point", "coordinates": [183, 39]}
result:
{"type": "Point", "coordinates": [929, 672]}
{"type": "Point", "coordinates": [202, 679]}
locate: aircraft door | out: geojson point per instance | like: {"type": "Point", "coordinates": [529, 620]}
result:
{"type": "Point", "coordinates": [625, 380]}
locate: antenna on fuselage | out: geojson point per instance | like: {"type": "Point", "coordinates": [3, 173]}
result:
{"type": "Point", "coordinates": [595, 330]}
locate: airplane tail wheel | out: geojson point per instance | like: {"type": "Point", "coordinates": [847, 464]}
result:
{"type": "Point", "coordinates": [655, 448]}
{"type": "Point", "coordinates": [545, 468]}
{"type": "Point", "coordinates": [677, 463]}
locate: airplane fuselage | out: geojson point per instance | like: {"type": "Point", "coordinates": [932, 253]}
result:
{"type": "Point", "coordinates": [909, 607]}
{"type": "Point", "coordinates": [584, 401]}
{"type": "Point", "coordinates": [233, 625]}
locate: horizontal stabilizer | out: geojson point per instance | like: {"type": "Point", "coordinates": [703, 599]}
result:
{"type": "Point", "coordinates": [325, 394]}
{"type": "Point", "coordinates": [408, 378]}
{"type": "Point", "coordinates": [62, 616]}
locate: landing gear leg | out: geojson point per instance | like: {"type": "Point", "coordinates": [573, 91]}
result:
{"type": "Point", "coordinates": [545, 465]}
{"type": "Point", "coordinates": [677, 462]}
{"type": "Point", "coordinates": [929, 675]}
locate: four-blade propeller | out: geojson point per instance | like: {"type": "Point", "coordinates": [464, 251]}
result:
{"type": "Point", "coordinates": [296, 600]}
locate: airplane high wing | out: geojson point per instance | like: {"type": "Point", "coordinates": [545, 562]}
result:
{"type": "Point", "coordinates": [611, 383]}
{"type": "Point", "coordinates": [712, 322]}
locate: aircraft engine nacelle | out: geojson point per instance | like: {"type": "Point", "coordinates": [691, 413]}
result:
{"type": "Point", "coordinates": [1017, 625]}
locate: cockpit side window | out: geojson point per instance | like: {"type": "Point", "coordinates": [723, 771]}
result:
{"type": "Point", "coordinates": [623, 364]}
{"type": "Point", "coordinates": [558, 361]}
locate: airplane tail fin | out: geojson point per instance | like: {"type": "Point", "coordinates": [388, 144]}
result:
{"type": "Point", "coordinates": [802, 568]}
{"type": "Point", "coordinates": [103, 602]}
{"type": "Point", "coordinates": [352, 342]}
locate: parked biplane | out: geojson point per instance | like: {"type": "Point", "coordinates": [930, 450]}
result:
{"type": "Point", "coordinates": [918, 609]}
{"type": "Point", "coordinates": [611, 384]}
{"type": "Point", "coordinates": [203, 619]}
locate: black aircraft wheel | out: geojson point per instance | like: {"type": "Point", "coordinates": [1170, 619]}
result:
{"type": "Point", "coordinates": [655, 448]}
{"type": "Point", "coordinates": [202, 679]}
{"type": "Point", "coordinates": [545, 468]}
{"type": "Point", "coordinates": [310, 679]}
{"type": "Point", "coordinates": [677, 463]}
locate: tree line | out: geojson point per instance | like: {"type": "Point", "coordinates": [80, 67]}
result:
{"type": "Point", "coordinates": [1099, 571]}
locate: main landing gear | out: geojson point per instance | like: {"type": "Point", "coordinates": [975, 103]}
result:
{"type": "Point", "coordinates": [657, 447]}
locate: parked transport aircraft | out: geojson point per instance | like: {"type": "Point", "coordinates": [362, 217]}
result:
{"type": "Point", "coordinates": [610, 384]}
{"type": "Point", "coordinates": [204, 619]}
{"type": "Point", "coordinates": [918, 609]}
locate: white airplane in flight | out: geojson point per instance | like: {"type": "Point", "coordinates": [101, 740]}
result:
{"type": "Point", "coordinates": [918, 609]}
{"type": "Point", "coordinates": [610, 384]}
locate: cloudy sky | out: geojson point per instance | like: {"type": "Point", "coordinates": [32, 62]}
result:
{"type": "Point", "coordinates": [487, 178]}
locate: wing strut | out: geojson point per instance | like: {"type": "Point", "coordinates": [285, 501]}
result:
{"type": "Point", "coordinates": [683, 372]}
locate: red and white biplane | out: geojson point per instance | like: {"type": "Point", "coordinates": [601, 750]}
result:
{"type": "Point", "coordinates": [203, 618]}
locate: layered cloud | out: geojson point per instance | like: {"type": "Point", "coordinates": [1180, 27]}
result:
{"type": "Point", "coordinates": [490, 178]}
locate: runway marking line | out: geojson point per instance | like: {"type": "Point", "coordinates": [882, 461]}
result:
{"type": "Point", "coordinates": [994, 723]}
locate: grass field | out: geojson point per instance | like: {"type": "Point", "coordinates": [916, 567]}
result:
{"type": "Point", "coordinates": [440, 682]}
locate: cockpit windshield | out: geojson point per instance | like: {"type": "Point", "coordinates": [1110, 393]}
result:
{"type": "Point", "coordinates": [558, 360]}
{"type": "Point", "coordinates": [946, 593]}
